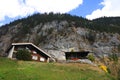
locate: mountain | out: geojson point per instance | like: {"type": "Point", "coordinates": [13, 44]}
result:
{"type": "Point", "coordinates": [57, 33]}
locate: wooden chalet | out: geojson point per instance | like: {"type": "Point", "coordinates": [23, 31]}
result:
{"type": "Point", "coordinates": [37, 54]}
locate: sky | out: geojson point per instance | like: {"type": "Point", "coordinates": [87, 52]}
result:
{"type": "Point", "coordinates": [11, 10]}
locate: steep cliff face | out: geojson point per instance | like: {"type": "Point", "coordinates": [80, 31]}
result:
{"type": "Point", "coordinates": [56, 37]}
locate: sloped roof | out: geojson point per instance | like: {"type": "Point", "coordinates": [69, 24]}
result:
{"type": "Point", "coordinates": [17, 44]}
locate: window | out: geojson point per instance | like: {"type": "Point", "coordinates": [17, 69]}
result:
{"type": "Point", "coordinates": [42, 59]}
{"type": "Point", "coordinates": [34, 57]}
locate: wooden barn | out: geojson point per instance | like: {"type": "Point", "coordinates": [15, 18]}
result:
{"type": "Point", "coordinates": [37, 54]}
{"type": "Point", "coordinates": [76, 55]}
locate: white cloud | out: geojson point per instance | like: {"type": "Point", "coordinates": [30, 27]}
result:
{"type": "Point", "coordinates": [14, 8]}
{"type": "Point", "coordinates": [56, 6]}
{"type": "Point", "coordinates": [111, 8]}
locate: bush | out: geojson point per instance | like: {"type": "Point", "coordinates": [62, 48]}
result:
{"type": "Point", "coordinates": [113, 65]}
{"type": "Point", "coordinates": [91, 57]}
{"type": "Point", "coordinates": [23, 55]}
{"type": "Point", "coordinates": [113, 57]}
{"type": "Point", "coordinates": [118, 76]}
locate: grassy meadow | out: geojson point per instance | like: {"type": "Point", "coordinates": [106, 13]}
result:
{"type": "Point", "coordinates": [25, 70]}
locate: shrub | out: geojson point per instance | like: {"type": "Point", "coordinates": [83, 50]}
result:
{"type": "Point", "coordinates": [113, 57]}
{"type": "Point", "coordinates": [23, 55]}
{"type": "Point", "coordinates": [118, 76]}
{"type": "Point", "coordinates": [91, 57]}
{"type": "Point", "coordinates": [108, 69]}
{"type": "Point", "coordinates": [114, 66]}
{"type": "Point", "coordinates": [72, 50]}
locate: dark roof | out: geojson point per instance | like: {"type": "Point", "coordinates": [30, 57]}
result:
{"type": "Point", "coordinates": [82, 53]}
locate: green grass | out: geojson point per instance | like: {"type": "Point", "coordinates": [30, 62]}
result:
{"type": "Point", "coordinates": [20, 70]}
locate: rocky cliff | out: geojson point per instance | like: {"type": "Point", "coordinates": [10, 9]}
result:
{"type": "Point", "coordinates": [58, 36]}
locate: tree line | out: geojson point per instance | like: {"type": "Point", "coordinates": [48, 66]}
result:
{"type": "Point", "coordinates": [103, 24]}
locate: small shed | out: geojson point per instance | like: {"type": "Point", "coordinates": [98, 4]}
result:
{"type": "Point", "coordinates": [76, 55]}
{"type": "Point", "coordinates": [37, 54]}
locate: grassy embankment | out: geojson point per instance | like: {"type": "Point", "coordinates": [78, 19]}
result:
{"type": "Point", "coordinates": [22, 70]}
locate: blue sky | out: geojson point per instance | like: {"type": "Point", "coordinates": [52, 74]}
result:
{"type": "Point", "coordinates": [86, 8]}
{"type": "Point", "coordinates": [11, 10]}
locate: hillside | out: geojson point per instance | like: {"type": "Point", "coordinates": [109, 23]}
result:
{"type": "Point", "coordinates": [21, 70]}
{"type": "Point", "coordinates": [56, 33]}
{"type": "Point", "coordinates": [106, 24]}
